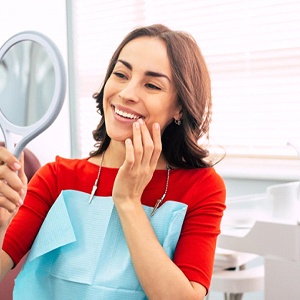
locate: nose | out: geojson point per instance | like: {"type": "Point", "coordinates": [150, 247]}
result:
{"type": "Point", "coordinates": [130, 92]}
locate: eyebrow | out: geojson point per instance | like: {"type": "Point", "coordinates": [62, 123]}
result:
{"type": "Point", "coordinates": [147, 73]}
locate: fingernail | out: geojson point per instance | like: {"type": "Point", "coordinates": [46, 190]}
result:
{"type": "Point", "coordinates": [137, 125]}
{"type": "Point", "coordinates": [17, 165]}
{"type": "Point", "coordinates": [21, 202]}
{"type": "Point", "coordinates": [140, 121]}
{"type": "Point", "coordinates": [156, 125]}
{"type": "Point", "coordinates": [128, 142]}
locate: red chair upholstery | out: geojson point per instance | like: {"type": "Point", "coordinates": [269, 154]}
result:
{"type": "Point", "coordinates": [31, 164]}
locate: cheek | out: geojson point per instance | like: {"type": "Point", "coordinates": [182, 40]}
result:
{"type": "Point", "coordinates": [109, 89]}
{"type": "Point", "coordinates": [163, 121]}
{"type": "Point", "coordinates": [107, 95]}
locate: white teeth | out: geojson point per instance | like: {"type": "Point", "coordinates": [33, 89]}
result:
{"type": "Point", "coordinates": [125, 114]}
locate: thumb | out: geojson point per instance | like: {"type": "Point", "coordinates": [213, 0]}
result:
{"type": "Point", "coordinates": [9, 159]}
{"type": "Point", "coordinates": [21, 171]}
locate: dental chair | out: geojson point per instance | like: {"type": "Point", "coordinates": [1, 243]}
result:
{"type": "Point", "coordinates": [235, 273]}
{"type": "Point", "coordinates": [31, 165]}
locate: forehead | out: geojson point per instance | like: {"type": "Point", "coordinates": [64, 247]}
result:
{"type": "Point", "coordinates": [149, 53]}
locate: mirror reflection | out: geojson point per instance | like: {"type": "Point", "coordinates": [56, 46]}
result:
{"type": "Point", "coordinates": [27, 80]}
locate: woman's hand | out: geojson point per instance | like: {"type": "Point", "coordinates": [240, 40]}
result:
{"type": "Point", "coordinates": [13, 186]}
{"type": "Point", "coordinates": [149, 259]}
{"type": "Point", "coordinates": [142, 154]}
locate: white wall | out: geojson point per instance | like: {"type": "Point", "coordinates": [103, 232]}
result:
{"type": "Point", "coordinates": [49, 18]}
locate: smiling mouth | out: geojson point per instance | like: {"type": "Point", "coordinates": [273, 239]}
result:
{"type": "Point", "coordinates": [126, 115]}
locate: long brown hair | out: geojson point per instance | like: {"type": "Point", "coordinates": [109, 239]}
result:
{"type": "Point", "coordinates": [192, 81]}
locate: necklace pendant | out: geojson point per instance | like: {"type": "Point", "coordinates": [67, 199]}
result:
{"type": "Point", "coordinates": [159, 201]}
{"type": "Point", "coordinates": [156, 206]}
{"type": "Point", "coordinates": [93, 193]}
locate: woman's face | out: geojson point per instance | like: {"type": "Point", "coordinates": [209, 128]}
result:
{"type": "Point", "coordinates": [140, 86]}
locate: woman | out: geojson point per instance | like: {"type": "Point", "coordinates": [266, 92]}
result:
{"type": "Point", "coordinates": [139, 218]}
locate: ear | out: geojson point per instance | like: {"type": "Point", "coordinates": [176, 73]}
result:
{"type": "Point", "coordinates": [178, 113]}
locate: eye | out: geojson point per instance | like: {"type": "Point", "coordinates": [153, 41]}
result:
{"type": "Point", "coordinates": [120, 75]}
{"type": "Point", "coordinates": [152, 86]}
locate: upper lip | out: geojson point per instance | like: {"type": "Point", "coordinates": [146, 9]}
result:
{"type": "Point", "coordinates": [127, 110]}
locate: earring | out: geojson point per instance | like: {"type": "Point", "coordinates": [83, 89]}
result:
{"type": "Point", "coordinates": [177, 122]}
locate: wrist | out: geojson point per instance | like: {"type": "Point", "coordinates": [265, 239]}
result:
{"type": "Point", "coordinates": [128, 206]}
{"type": "Point", "coordinates": [2, 234]}
{"type": "Point", "coordinates": [3, 229]}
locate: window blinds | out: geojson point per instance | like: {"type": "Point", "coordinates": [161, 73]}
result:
{"type": "Point", "coordinates": [252, 48]}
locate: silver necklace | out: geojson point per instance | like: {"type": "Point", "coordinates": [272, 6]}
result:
{"type": "Point", "coordinates": [95, 186]}
{"type": "Point", "coordinates": [158, 202]}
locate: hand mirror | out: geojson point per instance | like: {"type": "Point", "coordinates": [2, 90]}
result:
{"type": "Point", "coordinates": [32, 88]}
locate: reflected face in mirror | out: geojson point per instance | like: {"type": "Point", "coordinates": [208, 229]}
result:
{"type": "Point", "coordinates": [27, 82]}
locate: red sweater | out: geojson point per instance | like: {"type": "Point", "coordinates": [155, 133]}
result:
{"type": "Point", "coordinates": [202, 190]}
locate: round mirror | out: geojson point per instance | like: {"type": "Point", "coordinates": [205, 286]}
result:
{"type": "Point", "coordinates": [32, 87]}
{"type": "Point", "coordinates": [27, 81]}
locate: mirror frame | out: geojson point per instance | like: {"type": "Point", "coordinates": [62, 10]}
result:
{"type": "Point", "coordinates": [33, 130]}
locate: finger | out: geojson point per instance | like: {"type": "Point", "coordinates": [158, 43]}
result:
{"type": "Point", "coordinates": [156, 136]}
{"type": "Point", "coordinates": [129, 155]}
{"type": "Point", "coordinates": [137, 141]}
{"type": "Point", "coordinates": [9, 198]}
{"type": "Point", "coordinates": [7, 205]}
{"type": "Point", "coordinates": [21, 172]}
{"type": "Point", "coordinates": [10, 177]}
{"type": "Point", "coordinates": [7, 158]}
{"type": "Point", "coordinates": [148, 145]}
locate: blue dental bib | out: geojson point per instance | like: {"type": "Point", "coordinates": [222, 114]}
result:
{"type": "Point", "coordinates": [81, 253]}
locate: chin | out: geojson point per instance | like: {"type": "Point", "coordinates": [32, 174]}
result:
{"type": "Point", "coordinates": [119, 137]}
